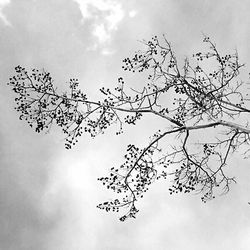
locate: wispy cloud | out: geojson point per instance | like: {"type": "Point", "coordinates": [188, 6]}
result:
{"type": "Point", "coordinates": [105, 16]}
{"type": "Point", "coordinates": [3, 18]}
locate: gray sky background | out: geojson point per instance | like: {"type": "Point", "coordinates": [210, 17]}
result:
{"type": "Point", "coordinates": [48, 195]}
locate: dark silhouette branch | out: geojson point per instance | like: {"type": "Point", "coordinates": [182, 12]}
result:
{"type": "Point", "coordinates": [196, 98]}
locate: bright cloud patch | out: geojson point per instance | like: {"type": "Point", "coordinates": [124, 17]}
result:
{"type": "Point", "coordinates": [3, 3]}
{"type": "Point", "coordinates": [132, 13]}
{"type": "Point", "coordinates": [105, 14]}
{"type": "Point", "coordinates": [101, 33]}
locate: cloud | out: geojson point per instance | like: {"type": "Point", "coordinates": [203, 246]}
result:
{"type": "Point", "coordinates": [101, 33]}
{"type": "Point", "coordinates": [132, 13]}
{"type": "Point", "coordinates": [105, 16]}
{"type": "Point", "coordinates": [107, 52]}
{"type": "Point", "coordinates": [3, 3]}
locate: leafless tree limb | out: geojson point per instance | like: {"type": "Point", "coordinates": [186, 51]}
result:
{"type": "Point", "coordinates": [197, 97]}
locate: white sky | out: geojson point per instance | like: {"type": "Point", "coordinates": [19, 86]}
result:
{"type": "Point", "coordinates": [47, 194]}
{"type": "Point", "coordinates": [3, 18]}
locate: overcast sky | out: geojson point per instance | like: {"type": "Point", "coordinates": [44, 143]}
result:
{"type": "Point", "coordinates": [48, 195]}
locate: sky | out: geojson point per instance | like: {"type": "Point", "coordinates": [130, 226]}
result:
{"type": "Point", "coordinates": [48, 195]}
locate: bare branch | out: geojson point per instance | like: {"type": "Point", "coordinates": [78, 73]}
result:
{"type": "Point", "coordinates": [196, 97]}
